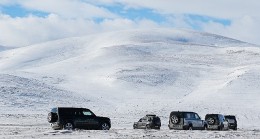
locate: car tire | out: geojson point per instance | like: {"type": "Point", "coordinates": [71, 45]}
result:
{"type": "Point", "coordinates": [51, 117]}
{"type": "Point", "coordinates": [135, 126]}
{"type": "Point", "coordinates": [68, 126]}
{"type": "Point", "coordinates": [211, 121]}
{"type": "Point", "coordinates": [190, 128]}
{"type": "Point", "coordinates": [147, 127]}
{"type": "Point", "coordinates": [104, 126]}
{"type": "Point", "coordinates": [175, 119]}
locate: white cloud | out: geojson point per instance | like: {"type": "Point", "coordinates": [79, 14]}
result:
{"type": "Point", "coordinates": [245, 28]}
{"type": "Point", "coordinates": [243, 15]}
{"type": "Point", "coordinates": [18, 32]}
{"type": "Point", "coordinates": [29, 30]}
{"type": "Point", "coordinates": [68, 8]}
{"type": "Point", "coordinates": [68, 18]}
{"type": "Point", "coordinates": [217, 8]}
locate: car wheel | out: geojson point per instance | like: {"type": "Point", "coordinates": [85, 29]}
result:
{"type": "Point", "coordinates": [175, 119]}
{"type": "Point", "coordinates": [105, 126]}
{"type": "Point", "coordinates": [51, 117]}
{"type": "Point", "coordinates": [148, 127]}
{"type": "Point", "coordinates": [235, 128]}
{"type": "Point", "coordinates": [68, 126]}
{"type": "Point", "coordinates": [211, 121]}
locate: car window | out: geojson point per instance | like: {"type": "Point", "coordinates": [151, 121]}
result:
{"type": "Point", "coordinates": [78, 112]}
{"type": "Point", "coordinates": [66, 111]}
{"type": "Point", "coordinates": [190, 115]}
{"type": "Point", "coordinates": [221, 117]}
{"type": "Point", "coordinates": [87, 113]}
{"type": "Point", "coordinates": [230, 117]}
{"type": "Point", "coordinates": [197, 116]}
{"type": "Point", "coordinates": [144, 119]}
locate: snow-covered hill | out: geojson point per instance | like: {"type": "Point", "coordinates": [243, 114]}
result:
{"type": "Point", "coordinates": [127, 74]}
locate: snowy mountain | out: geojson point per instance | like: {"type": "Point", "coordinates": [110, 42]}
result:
{"type": "Point", "coordinates": [134, 72]}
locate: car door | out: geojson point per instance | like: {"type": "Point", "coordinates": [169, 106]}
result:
{"type": "Point", "coordinates": [79, 119]}
{"type": "Point", "coordinates": [139, 123]}
{"type": "Point", "coordinates": [90, 121]}
{"type": "Point", "coordinates": [143, 122]}
{"type": "Point", "coordinates": [199, 124]}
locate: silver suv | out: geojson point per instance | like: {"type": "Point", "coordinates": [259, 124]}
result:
{"type": "Point", "coordinates": [186, 121]}
{"type": "Point", "coordinates": [216, 122]}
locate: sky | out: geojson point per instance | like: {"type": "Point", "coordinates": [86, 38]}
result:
{"type": "Point", "coordinates": [28, 22]}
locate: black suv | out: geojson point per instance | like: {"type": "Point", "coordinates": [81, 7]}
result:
{"type": "Point", "coordinates": [150, 121]}
{"type": "Point", "coordinates": [70, 118]}
{"type": "Point", "coordinates": [232, 121]}
{"type": "Point", "coordinates": [186, 121]}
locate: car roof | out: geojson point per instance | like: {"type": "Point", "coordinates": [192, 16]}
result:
{"type": "Point", "coordinates": [182, 112]}
{"type": "Point", "coordinates": [150, 115]}
{"type": "Point", "coordinates": [71, 108]}
{"type": "Point", "coordinates": [214, 114]}
{"type": "Point", "coordinates": [230, 115]}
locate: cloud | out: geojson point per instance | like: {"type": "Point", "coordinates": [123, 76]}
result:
{"type": "Point", "coordinates": [243, 16]}
{"type": "Point", "coordinates": [245, 28]}
{"type": "Point", "coordinates": [219, 8]}
{"type": "Point", "coordinates": [64, 8]}
{"type": "Point", "coordinates": [68, 8]}
{"type": "Point", "coordinates": [69, 18]}
{"type": "Point", "coordinates": [29, 30]}
{"type": "Point", "coordinates": [22, 31]}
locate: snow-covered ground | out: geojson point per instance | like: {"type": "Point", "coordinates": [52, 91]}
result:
{"type": "Point", "coordinates": [127, 74]}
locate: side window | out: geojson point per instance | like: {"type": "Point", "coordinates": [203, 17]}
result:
{"type": "Point", "coordinates": [197, 117]}
{"type": "Point", "coordinates": [144, 119]}
{"type": "Point", "coordinates": [190, 115]}
{"type": "Point", "coordinates": [87, 113]}
{"type": "Point", "coordinates": [78, 112]}
{"type": "Point", "coordinates": [222, 117]}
